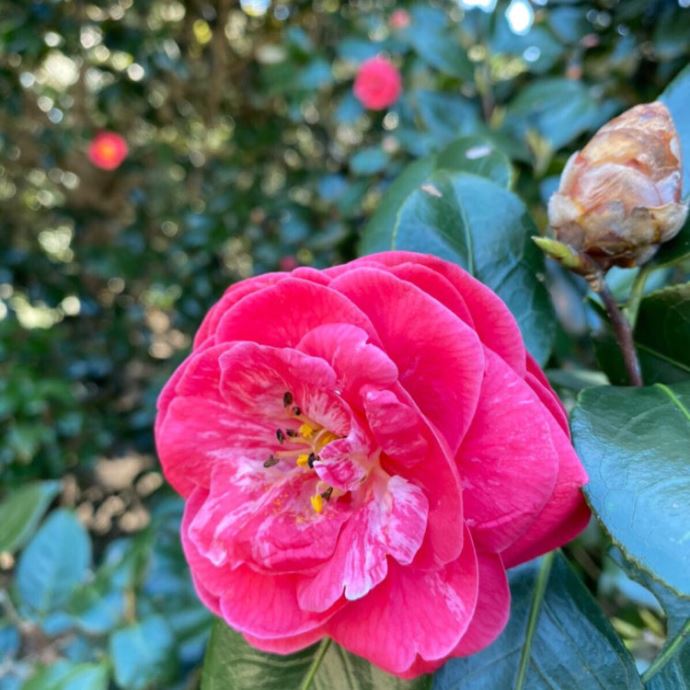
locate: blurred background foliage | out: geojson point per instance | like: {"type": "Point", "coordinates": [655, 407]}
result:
{"type": "Point", "coordinates": [247, 153]}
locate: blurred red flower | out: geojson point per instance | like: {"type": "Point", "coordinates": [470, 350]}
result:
{"type": "Point", "coordinates": [107, 150]}
{"type": "Point", "coordinates": [378, 83]}
{"type": "Point", "coordinates": [399, 19]}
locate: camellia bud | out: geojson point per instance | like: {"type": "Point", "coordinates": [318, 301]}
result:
{"type": "Point", "coordinates": [620, 197]}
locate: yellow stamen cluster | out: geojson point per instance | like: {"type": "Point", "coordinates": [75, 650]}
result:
{"type": "Point", "coordinates": [306, 430]}
{"type": "Point", "coordinates": [315, 437]}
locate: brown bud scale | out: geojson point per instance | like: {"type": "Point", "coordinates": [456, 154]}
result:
{"type": "Point", "coordinates": [620, 197]}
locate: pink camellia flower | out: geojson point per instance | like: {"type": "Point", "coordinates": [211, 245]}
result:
{"type": "Point", "coordinates": [363, 451]}
{"type": "Point", "coordinates": [107, 150]}
{"type": "Point", "coordinates": [378, 84]}
{"type": "Point", "coordinates": [399, 19]}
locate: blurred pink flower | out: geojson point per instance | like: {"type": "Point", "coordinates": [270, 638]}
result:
{"type": "Point", "coordinates": [378, 83]}
{"type": "Point", "coordinates": [399, 19]}
{"type": "Point", "coordinates": [363, 451]}
{"type": "Point", "coordinates": [107, 150]}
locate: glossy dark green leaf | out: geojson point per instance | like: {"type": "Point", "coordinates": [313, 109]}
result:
{"type": "Point", "coordinates": [670, 670]}
{"type": "Point", "coordinates": [569, 23]}
{"type": "Point", "coordinates": [56, 560]}
{"type": "Point", "coordinates": [634, 443]}
{"type": "Point", "coordinates": [437, 44]}
{"type": "Point", "coordinates": [479, 156]}
{"type": "Point", "coordinates": [662, 334]}
{"type": "Point", "coordinates": [558, 109]}
{"type": "Point", "coordinates": [143, 654]}
{"type": "Point", "coordinates": [65, 675]}
{"type": "Point", "coordinates": [21, 510]}
{"type": "Point", "coordinates": [475, 155]}
{"type": "Point", "coordinates": [446, 116]}
{"type": "Point", "coordinates": [231, 663]}
{"type": "Point", "coordinates": [557, 638]}
{"type": "Point", "coordinates": [369, 161]}
{"type": "Point", "coordinates": [484, 228]}
{"type": "Point", "coordinates": [671, 33]}
{"type": "Point", "coordinates": [538, 47]}
{"type": "Point", "coordinates": [663, 326]}
{"type": "Point", "coordinates": [676, 96]}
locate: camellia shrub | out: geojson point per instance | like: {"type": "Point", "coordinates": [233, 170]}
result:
{"type": "Point", "coordinates": [344, 345]}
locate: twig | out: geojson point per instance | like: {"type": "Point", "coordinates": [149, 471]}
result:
{"type": "Point", "coordinates": [623, 332]}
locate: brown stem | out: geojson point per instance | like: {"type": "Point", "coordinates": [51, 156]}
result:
{"type": "Point", "coordinates": [623, 333]}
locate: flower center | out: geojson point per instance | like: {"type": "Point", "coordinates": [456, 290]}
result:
{"type": "Point", "coordinates": [302, 446]}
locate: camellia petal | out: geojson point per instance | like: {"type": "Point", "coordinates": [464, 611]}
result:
{"type": "Point", "coordinates": [440, 359]}
{"type": "Point", "coordinates": [412, 613]}
{"type": "Point", "coordinates": [391, 524]}
{"type": "Point", "coordinates": [508, 462]}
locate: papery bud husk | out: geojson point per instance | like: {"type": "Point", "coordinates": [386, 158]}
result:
{"type": "Point", "coordinates": [620, 197]}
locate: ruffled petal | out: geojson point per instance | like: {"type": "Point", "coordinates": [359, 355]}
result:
{"type": "Point", "coordinates": [491, 318]}
{"type": "Point", "coordinates": [282, 314]}
{"type": "Point", "coordinates": [197, 433]}
{"type": "Point", "coordinates": [354, 359]}
{"type": "Point", "coordinates": [508, 464]}
{"type": "Point", "coordinates": [391, 523]}
{"type": "Point", "coordinates": [252, 603]}
{"type": "Point", "coordinates": [436, 285]}
{"type": "Point", "coordinates": [540, 385]}
{"type": "Point", "coordinates": [493, 606]}
{"type": "Point", "coordinates": [397, 427]}
{"type": "Point", "coordinates": [565, 515]}
{"type": "Point", "coordinates": [231, 296]}
{"type": "Point", "coordinates": [439, 357]}
{"type": "Point", "coordinates": [264, 518]}
{"type": "Point", "coordinates": [490, 616]}
{"type": "Point", "coordinates": [411, 613]}
{"type": "Point", "coordinates": [255, 379]}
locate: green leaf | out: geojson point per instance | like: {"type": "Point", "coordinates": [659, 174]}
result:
{"type": "Point", "coordinates": [65, 675]}
{"type": "Point", "coordinates": [369, 161]}
{"type": "Point", "coordinates": [231, 663]}
{"type": "Point", "coordinates": [21, 511]}
{"type": "Point", "coordinates": [56, 560]}
{"type": "Point", "coordinates": [467, 154]}
{"type": "Point", "coordinates": [662, 334]}
{"type": "Point", "coordinates": [676, 96]}
{"type": "Point", "coordinates": [482, 227]}
{"type": "Point", "coordinates": [671, 34]}
{"type": "Point", "coordinates": [437, 44]}
{"type": "Point", "coordinates": [557, 638]}
{"type": "Point", "coordinates": [446, 116]}
{"type": "Point", "coordinates": [538, 47]}
{"type": "Point", "coordinates": [634, 443]}
{"type": "Point", "coordinates": [143, 654]}
{"type": "Point", "coordinates": [670, 670]}
{"type": "Point", "coordinates": [479, 156]}
{"type": "Point", "coordinates": [558, 109]}
{"type": "Point", "coordinates": [663, 326]}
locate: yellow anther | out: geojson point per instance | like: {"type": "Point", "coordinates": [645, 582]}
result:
{"type": "Point", "coordinates": [302, 460]}
{"type": "Point", "coordinates": [306, 430]}
{"type": "Point", "coordinates": [317, 503]}
{"type": "Point", "coordinates": [325, 438]}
